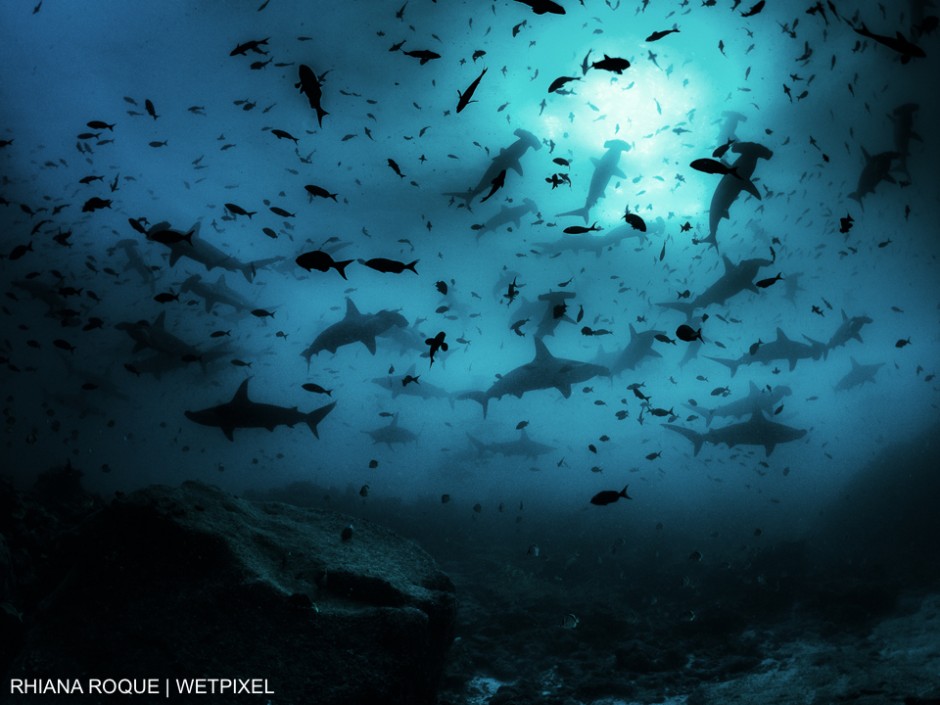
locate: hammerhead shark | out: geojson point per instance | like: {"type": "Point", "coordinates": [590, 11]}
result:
{"type": "Point", "coordinates": [605, 169]}
{"type": "Point", "coordinates": [858, 375]}
{"type": "Point", "coordinates": [638, 349]}
{"type": "Point", "coordinates": [545, 371]}
{"type": "Point", "coordinates": [506, 215]}
{"type": "Point", "coordinates": [523, 446]}
{"type": "Point", "coordinates": [780, 349]}
{"type": "Point", "coordinates": [217, 293]}
{"type": "Point", "coordinates": [850, 328]}
{"type": "Point", "coordinates": [193, 247]}
{"type": "Point", "coordinates": [354, 328]}
{"type": "Point", "coordinates": [877, 169]}
{"type": "Point", "coordinates": [241, 412]}
{"type": "Point", "coordinates": [758, 431]}
{"type": "Point", "coordinates": [756, 400]}
{"type": "Point", "coordinates": [392, 433]}
{"type": "Point", "coordinates": [732, 184]}
{"type": "Point", "coordinates": [591, 242]}
{"type": "Point", "coordinates": [507, 158]}
{"type": "Point", "coordinates": [736, 278]}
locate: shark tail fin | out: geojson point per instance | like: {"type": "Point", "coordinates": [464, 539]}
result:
{"type": "Point", "coordinates": [711, 240]}
{"type": "Point", "coordinates": [316, 416]}
{"type": "Point", "coordinates": [697, 438]}
{"type": "Point", "coordinates": [583, 212]}
{"type": "Point", "coordinates": [467, 197]}
{"type": "Point", "coordinates": [321, 113]}
{"type": "Point", "coordinates": [479, 397]}
{"type": "Point", "coordinates": [727, 362]}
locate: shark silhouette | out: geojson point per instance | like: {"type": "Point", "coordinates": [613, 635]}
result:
{"type": "Point", "coordinates": [215, 293]}
{"type": "Point", "coordinates": [782, 348]}
{"type": "Point", "coordinates": [755, 401]}
{"type": "Point", "coordinates": [638, 349]}
{"type": "Point", "coordinates": [523, 446]}
{"type": "Point", "coordinates": [858, 375]}
{"type": "Point", "coordinates": [545, 371]}
{"type": "Point", "coordinates": [730, 186]}
{"type": "Point", "coordinates": [605, 169]}
{"type": "Point", "coordinates": [355, 327]}
{"type": "Point", "coordinates": [198, 250]}
{"type": "Point", "coordinates": [241, 412]}
{"type": "Point", "coordinates": [507, 158]}
{"type": "Point", "coordinates": [392, 433]}
{"type": "Point", "coordinates": [736, 278]}
{"type": "Point", "coordinates": [758, 431]}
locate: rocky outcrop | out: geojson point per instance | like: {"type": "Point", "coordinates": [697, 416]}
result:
{"type": "Point", "coordinates": [194, 582]}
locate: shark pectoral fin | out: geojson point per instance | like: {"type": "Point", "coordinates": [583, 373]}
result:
{"type": "Point", "coordinates": [792, 364]}
{"type": "Point", "coordinates": [370, 344]}
{"type": "Point", "coordinates": [618, 173]}
{"type": "Point", "coordinates": [697, 438]}
{"type": "Point", "coordinates": [749, 186]}
{"type": "Point", "coordinates": [316, 416]}
{"type": "Point", "coordinates": [595, 161]}
{"type": "Point", "coordinates": [769, 448]}
{"type": "Point", "coordinates": [890, 179]}
{"type": "Point", "coordinates": [228, 431]}
{"type": "Point", "coordinates": [516, 166]}
{"type": "Point", "coordinates": [565, 390]}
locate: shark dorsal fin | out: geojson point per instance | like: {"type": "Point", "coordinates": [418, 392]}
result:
{"type": "Point", "coordinates": [411, 370]}
{"type": "Point", "coordinates": [753, 389]}
{"type": "Point", "coordinates": [781, 335]}
{"type": "Point", "coordinates": [541, 352]}
{"type": "Point", "coordinates": [844, 317]}
{"type": "Point", "coordinates": [241, 394]}
{"type": "Point", "coordinates": [855, 364]}
{"type": "Point", "coordinates": [351, 310]}
{"type": "Point", "coordinates": [728, 264]}
{"type": "Point", "coordinates": [632, 332]}
{"type": "Point", "coordinates": [523, 435]}
{"type": "Point", "coordinates": [221, 280]}
{"type": "Point", "coordinates": [160, 321]}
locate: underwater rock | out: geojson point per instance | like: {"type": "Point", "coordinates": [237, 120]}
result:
{"type": "Point", "coordinates": [193, 582]}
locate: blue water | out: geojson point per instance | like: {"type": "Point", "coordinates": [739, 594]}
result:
{"type": "Point", "coordinates": [69, 64]}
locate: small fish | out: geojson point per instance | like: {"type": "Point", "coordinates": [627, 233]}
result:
{"type": "Point", "coordinates": [316, 389]}
{"type": "Point", "coordinates": [560, 82]}
{"type": "Point", "coordinates": [764, 283]}
{"type": "Point", "coordinates": [656, 36]}
{"type": "Point", "coordinates": [713, 166]}
{"type": "Point", "coordinates": [410, 379]}
{"type": "Point", "coordinates": [393, 165]}
{"type": "Point", "coordinates": [580, 229]}
{"type": "Point", "coordinates": [322, 262]}
{"type": "Point", "coordinates": [755, 347]}
{"type": "Point", "coordinates": [389, 266]}
{"type": "Point", "coordinates": [903, 342]}
{"type": "Point", "coordinates": [606, 497]}
{"type": "Point", "coordinates": [262, 313]}
{"type": "Point", "coordinates": [612, 64]}
{"type": "Point", "coordinates": [319, 192]}
{"type": "Point", "coordinates": [464, 99]}
{"type": "Point", "coordinates": [436, 343]}
{"type": "Point", "coordinates": [236, 210]}
{"type": "Point", "coordinates": [688, 334]}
